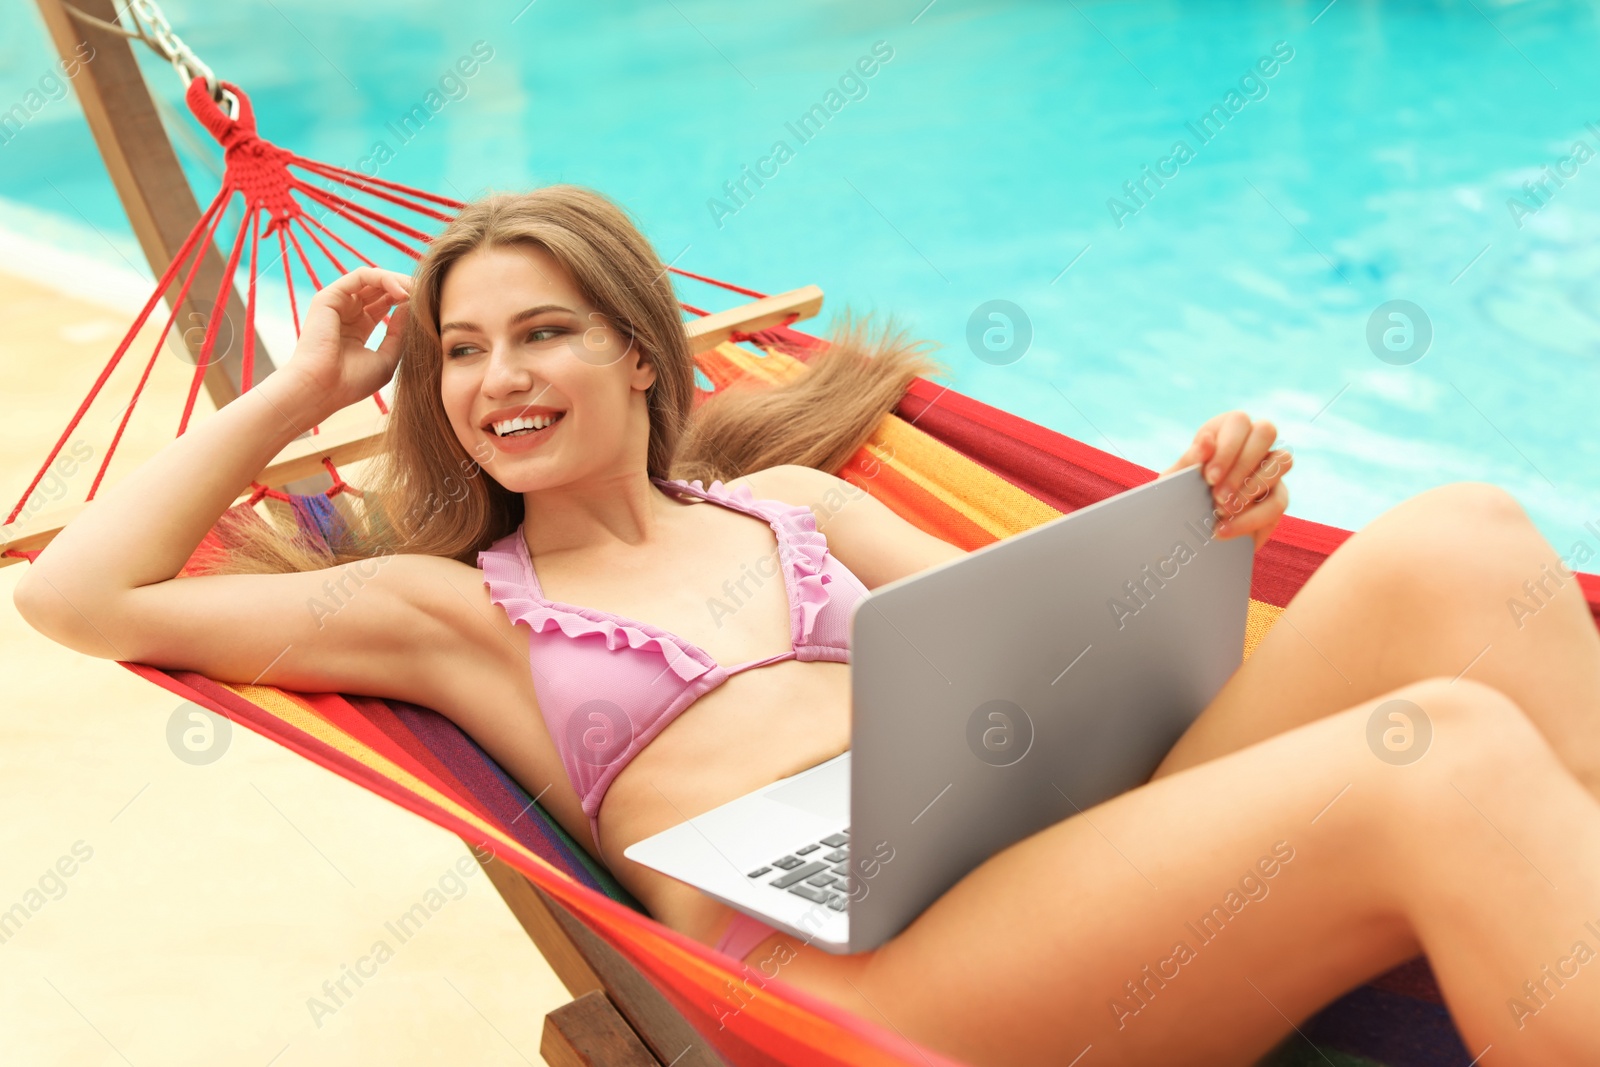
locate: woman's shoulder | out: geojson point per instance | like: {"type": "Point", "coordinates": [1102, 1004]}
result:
{"type": "Point", "coordinates": [864, 533]}
{"type": "Point", "coordinates": [829, 497]}
{"type": "Point", "coordinates": [793, 484]}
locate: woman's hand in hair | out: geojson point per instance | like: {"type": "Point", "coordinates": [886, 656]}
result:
{"type": "Point", "coordinates": [332, 358]}
{"type": "Point", "coordinates": [1244, 471]}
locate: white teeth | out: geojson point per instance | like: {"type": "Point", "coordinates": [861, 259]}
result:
{"type": "Point", "coordinates": [538, 422]}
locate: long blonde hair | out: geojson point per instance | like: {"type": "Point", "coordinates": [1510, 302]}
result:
{"type": "Point", "coordinates": [425, 494]}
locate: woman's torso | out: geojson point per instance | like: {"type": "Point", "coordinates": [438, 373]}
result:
{"type": "Point", "coordinates": [757, 726]}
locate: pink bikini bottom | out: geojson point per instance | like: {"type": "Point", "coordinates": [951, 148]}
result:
{"type": "Point", "coordinates": [742, 936]}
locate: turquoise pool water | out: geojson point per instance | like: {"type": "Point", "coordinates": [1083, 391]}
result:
{"type": "Point", "coordinates": [1383, 158]}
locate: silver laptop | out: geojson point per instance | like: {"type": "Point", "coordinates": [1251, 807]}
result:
{"type": "Point", "coordinates": [991, 696]}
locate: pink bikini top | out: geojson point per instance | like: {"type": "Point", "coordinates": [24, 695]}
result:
{"type": "Point", "coordinates": [605, 700]}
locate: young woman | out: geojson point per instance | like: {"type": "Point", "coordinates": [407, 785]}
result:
{"type": "Point", "coordinates": [1281, 855]}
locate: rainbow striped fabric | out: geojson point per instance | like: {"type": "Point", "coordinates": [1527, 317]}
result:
{"type": "Point", "coordinates": [961, 470]}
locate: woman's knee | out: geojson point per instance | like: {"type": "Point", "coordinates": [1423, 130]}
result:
{"type": "Point", "coordinates": [1448, 544]}
{"type": "Point", "coordinates": [1470, 504]}
{"type": "Point", "coordinates": [1428, 745]}
{"type": "Point", "coordinates": [1452, 731]}
{"type": "Point", "coordinates": [1459, 514]}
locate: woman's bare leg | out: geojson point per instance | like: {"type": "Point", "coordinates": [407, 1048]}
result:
{"type": "Point", "coordinates": [1423, 590]}
{"type": "Point", "coordinates": [1459, 854]}
{"type": "Point", "coordinates": [1485, 853]}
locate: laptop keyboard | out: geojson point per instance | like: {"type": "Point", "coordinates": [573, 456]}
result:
{"type": "Point", "coordinates": [818, 871]}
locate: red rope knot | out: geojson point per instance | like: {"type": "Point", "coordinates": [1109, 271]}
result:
{"type": "Point", "coordinates": [739, 336]}
{"type": "Point", "coordinates": [264, 491]}
{"type": "Point", "coordinates": [256, 167]}
{"type": "Point", "coordinates": [339, 484]}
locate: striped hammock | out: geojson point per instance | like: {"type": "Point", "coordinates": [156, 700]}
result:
{"type": "Point", "coordinates": [959, 469]}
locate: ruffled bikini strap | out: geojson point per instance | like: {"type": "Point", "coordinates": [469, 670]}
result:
{"type": "Point", "coordinates": [802, 548]}
{"type": "Point", "coordinates": [507, 573]}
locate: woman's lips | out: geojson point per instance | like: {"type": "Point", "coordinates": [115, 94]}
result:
{"type": "Point", "coordinates": [524, 442]}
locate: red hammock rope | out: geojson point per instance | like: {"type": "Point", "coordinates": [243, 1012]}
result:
{"type": "Point", "coordinates": [273, 201]}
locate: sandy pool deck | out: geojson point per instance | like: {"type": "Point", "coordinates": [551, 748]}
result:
{"type": "Point", "coordinates": [206, 905]}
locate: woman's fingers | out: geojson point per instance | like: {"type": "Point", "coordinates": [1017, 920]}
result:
{"type": "Point", "coordinates": [1257, 486]}
{"type": "Point", "coordinates": [375, 310]}
{"type": "Point", "coordinates": [390, 281]}
{"type": "Point", "coordinates": [1232, 430]}
{"type": "Point", "coordinates": [1257, 443]}
{"type": "Point", "coordinates": [1199, 450]}
{"type": "Point", "coordinates": [1272, 469]}
{"type": "Point", "coordinates": [1245, 472]}
{"type": "Point", "coordinates": [1258, 518]}
{"type": "Point", "coordinates": [353, 293]}
{"type": "Point", "coordinates": [1238, 461]}
{"type": "Point", "coordinates": [364, 309]}
{"type": "Point", "coordinates": [354, 290]}
{"type": "Point", "coordinates": [390, 348]}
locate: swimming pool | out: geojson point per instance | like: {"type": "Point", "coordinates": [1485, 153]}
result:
{"type": "Point", "coordinates": [1334, 160]}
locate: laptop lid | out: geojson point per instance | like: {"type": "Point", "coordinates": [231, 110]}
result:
{"type": "Point", "coordinates": [1006, 690]}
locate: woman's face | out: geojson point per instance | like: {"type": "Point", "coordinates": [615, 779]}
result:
{"type": "Point", "coordinates": [520, 343]}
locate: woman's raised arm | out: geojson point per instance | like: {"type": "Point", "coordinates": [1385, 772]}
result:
{"type": "Point", "coordinates": [143, 528]}
{"type": "Point", "coordinates": [106, 585]}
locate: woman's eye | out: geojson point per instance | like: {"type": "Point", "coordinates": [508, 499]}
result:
{"type": "Point", "coordinates": [538, 335]}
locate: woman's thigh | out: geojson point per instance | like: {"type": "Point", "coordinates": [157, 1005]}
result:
{"type": "Point", "coordinates": [1195, 919]}
{"type": "Point", "coordinates": [1426, 589]}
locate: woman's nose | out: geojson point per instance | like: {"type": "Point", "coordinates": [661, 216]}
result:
{"type": "Point", "coordinates": [506, 372]}
{"type": "Point", "coordinates": [510, 373]}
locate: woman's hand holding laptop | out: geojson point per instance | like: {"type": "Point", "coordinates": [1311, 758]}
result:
{"type": "Point", "coordinates": [1244, 471]}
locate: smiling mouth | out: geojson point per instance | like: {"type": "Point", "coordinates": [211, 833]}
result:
{"type": "Point", "coordinates": [525, 427]}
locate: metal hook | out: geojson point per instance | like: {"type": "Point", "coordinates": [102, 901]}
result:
{"type": "Point", "coordinates": [161, 40]}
